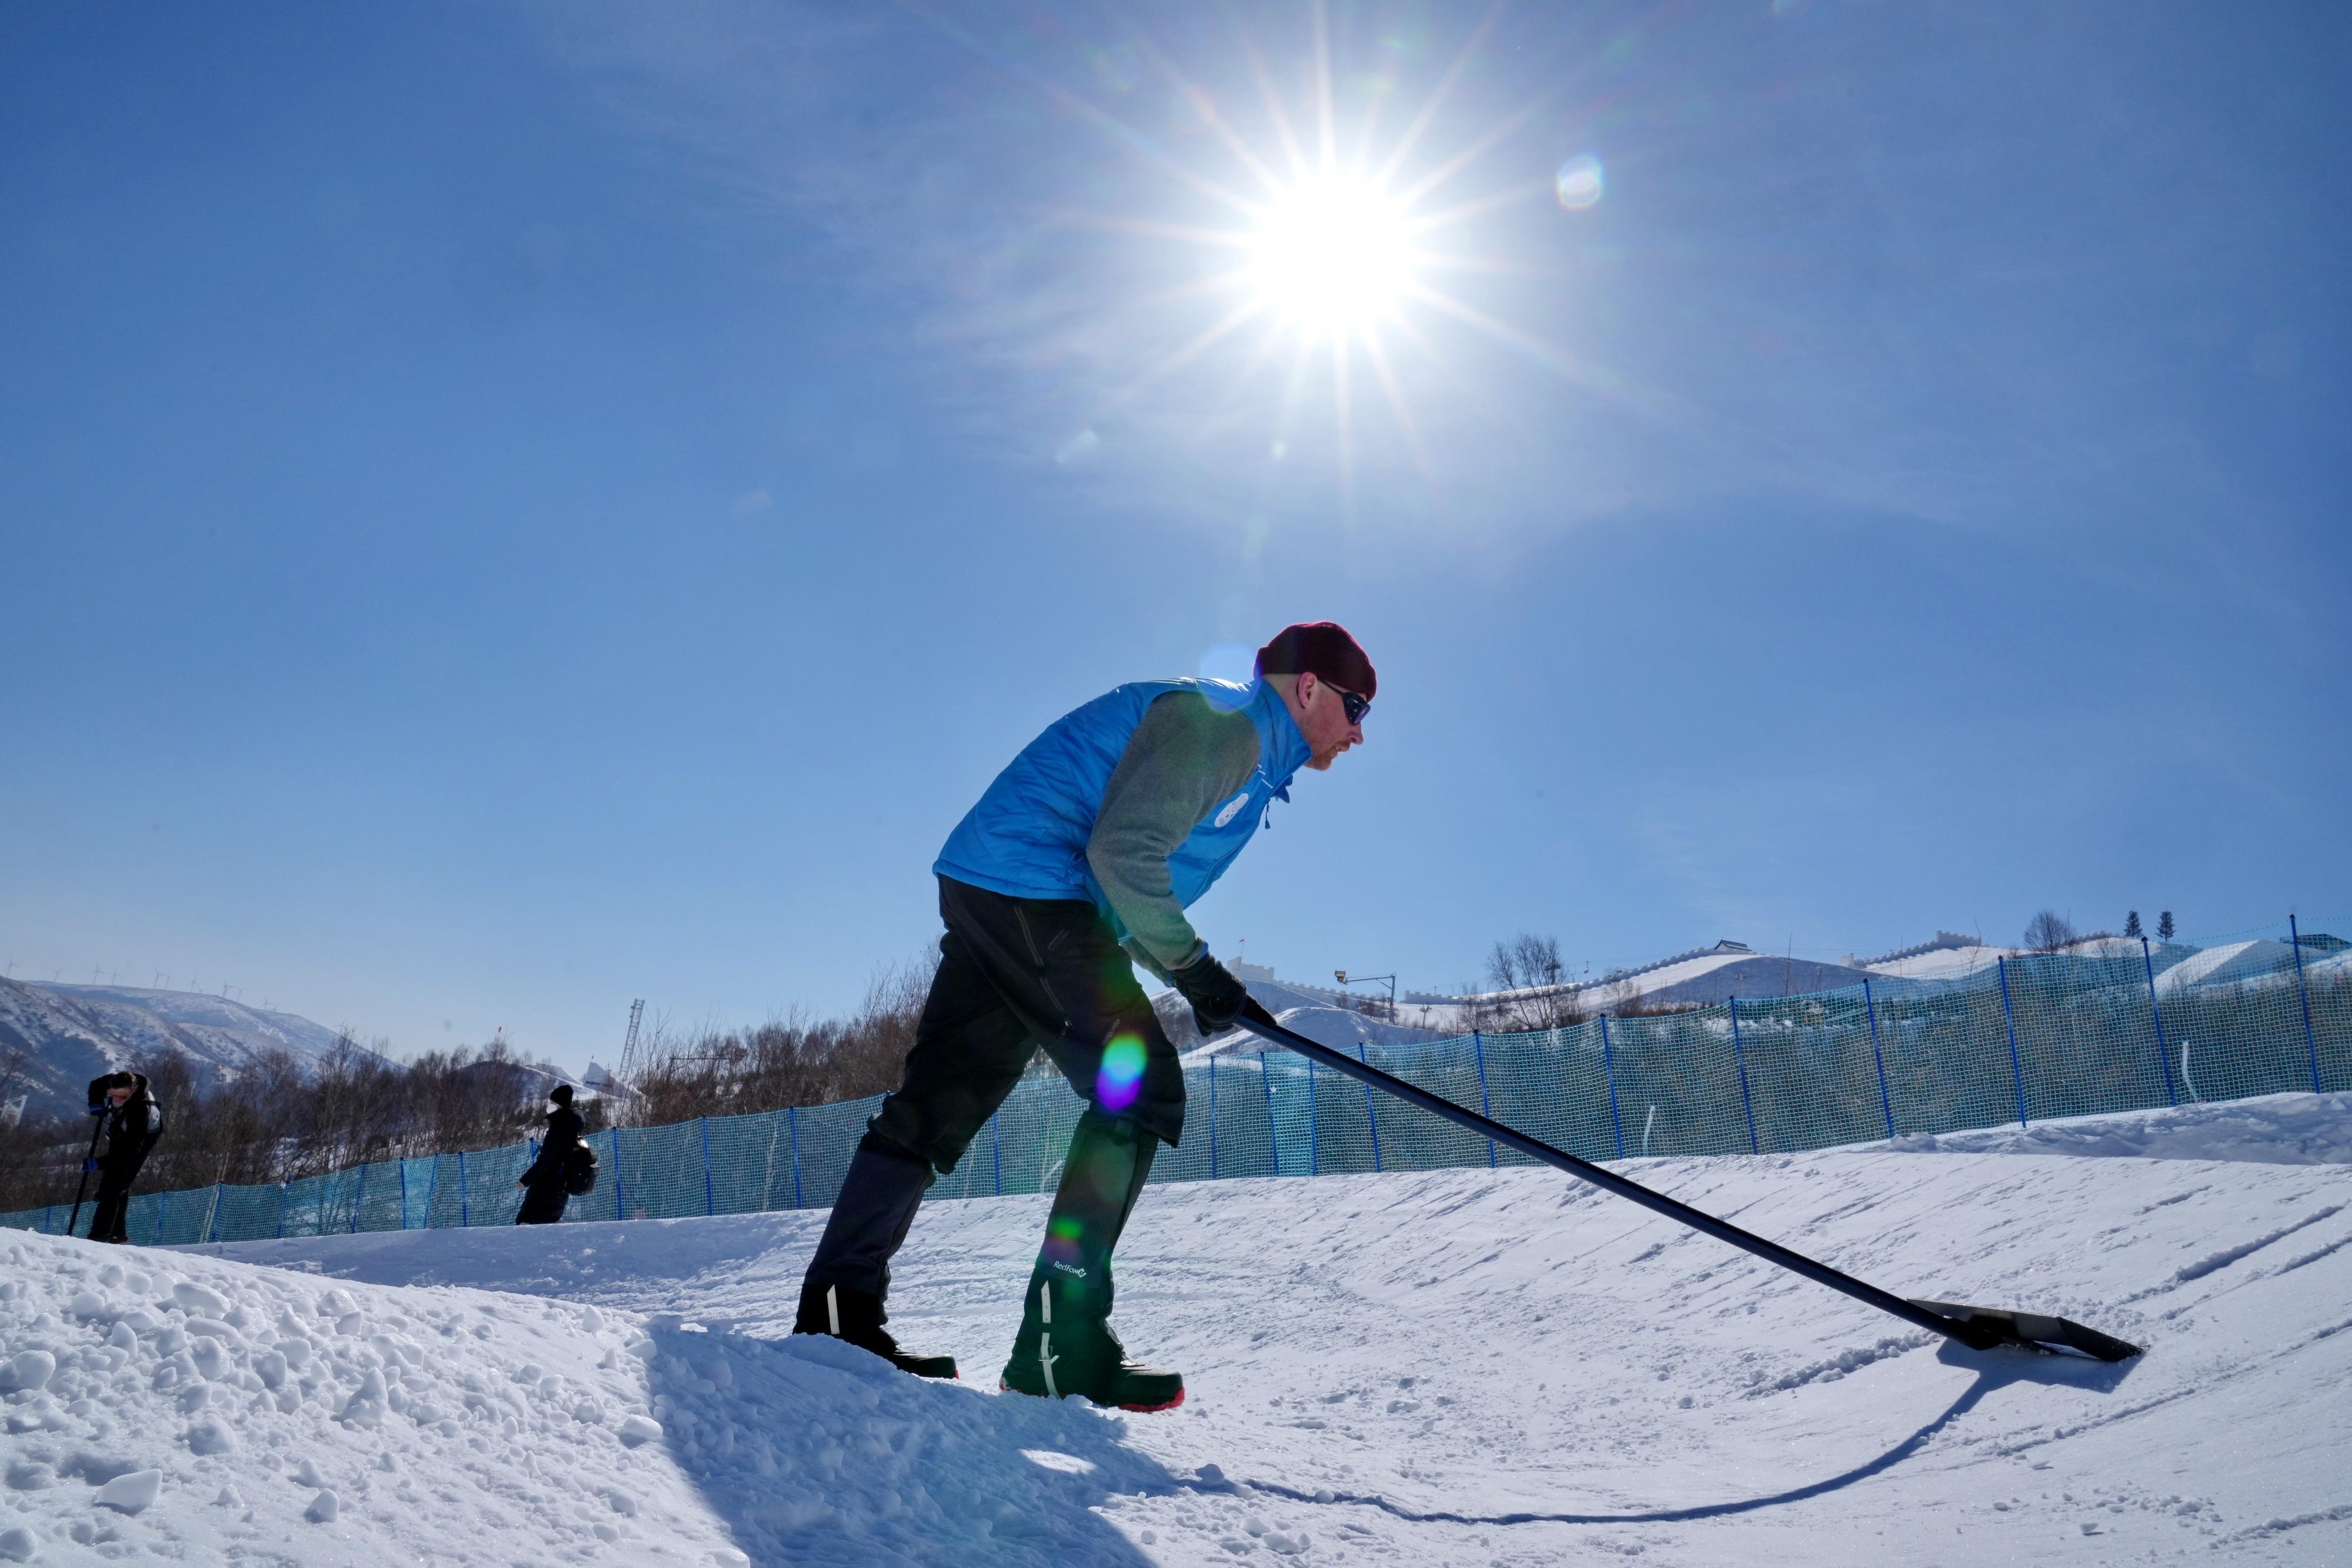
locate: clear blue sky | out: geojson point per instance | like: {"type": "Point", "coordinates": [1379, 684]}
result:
{"type": "Point", "coordinates": [504, 510]}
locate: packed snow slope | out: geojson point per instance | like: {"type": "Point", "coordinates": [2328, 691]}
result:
{"type": "Point", "coordinates": [1465, 1366]}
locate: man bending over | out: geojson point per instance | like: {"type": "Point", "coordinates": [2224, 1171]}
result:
{"type": "Point", "coordinates": [1078, 860]}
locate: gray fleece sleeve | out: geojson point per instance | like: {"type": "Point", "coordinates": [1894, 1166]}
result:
{"type": "Point", "coordinates": [1184, 758]}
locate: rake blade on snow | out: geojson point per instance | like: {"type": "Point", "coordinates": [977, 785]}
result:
{"type": "Point", "coordinates": [1999, 1326]}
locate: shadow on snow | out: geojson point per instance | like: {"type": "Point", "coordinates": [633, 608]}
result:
{"type": "Point", "coordinates": [812, 1450]}
{"type": "Point", "coordinates": [1994, 1369]}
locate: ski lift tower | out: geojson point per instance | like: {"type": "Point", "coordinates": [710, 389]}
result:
{"type": "Point", "coordinates": [627, 1072]}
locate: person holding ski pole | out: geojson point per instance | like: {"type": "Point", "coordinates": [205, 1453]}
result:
{"type": "Point", "coordinates": [546, 1189]}
{"type": "Point", "coordinates": [131, 1121]}
{"type": "Point", "coordinates": [1078, 863]}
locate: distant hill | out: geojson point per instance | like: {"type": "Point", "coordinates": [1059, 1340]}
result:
{"type": "Point", "coordinates": [1315, 1013]}
{"type": "Point", "coordinates": [60, 1037]}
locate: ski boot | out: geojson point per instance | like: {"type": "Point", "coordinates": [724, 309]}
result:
{"type": "Point", "coordinates": [1066, 1347]}
{"type": "Point", "coordinates": [856, 1317]}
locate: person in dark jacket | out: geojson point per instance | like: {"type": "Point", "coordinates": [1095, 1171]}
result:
{"type": "Point", "coordinates": [544, 1193]}
{"type": "Point", "coordinates": [1077, 865]}
{"type": "Point", "coordinates": [129, 1121]}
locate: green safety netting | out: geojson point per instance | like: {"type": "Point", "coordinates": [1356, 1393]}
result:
{"type": "Point", "coordinates": [2118, 1026]}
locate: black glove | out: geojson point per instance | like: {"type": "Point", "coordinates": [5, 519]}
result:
{"type": "Point", "coordinates": [1218, 999]}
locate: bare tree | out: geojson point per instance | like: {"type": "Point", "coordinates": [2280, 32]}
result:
{"type": "Point", "coordinates": [1529, 987]}
{"type": "Point", "coordinates": [789, 1061]}
{"type": "Point", "coordinates": [2050, 932]}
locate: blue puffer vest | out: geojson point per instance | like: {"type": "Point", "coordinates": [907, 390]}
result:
{"type": "Point", "coordinates": [1027, 836]}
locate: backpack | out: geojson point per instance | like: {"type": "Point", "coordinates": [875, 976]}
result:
{"type": "Point", "coordinates": [580, 1172]}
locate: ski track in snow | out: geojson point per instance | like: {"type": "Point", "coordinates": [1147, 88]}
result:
{"type": "Point", "coordinates": [1466, 1367]}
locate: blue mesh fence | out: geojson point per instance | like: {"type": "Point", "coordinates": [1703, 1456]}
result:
{"type": "Point", "coordinates": [2128, 1026]}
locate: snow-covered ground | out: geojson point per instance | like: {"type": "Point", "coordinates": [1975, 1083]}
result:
{"type": "Point", "coordinates": [1465, 1366]}
{"type": "Point", "coordinates": [2276, 1129]}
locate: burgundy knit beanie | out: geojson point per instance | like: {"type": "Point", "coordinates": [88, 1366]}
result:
{"type": "Point", "coordinates": [1323, 647]}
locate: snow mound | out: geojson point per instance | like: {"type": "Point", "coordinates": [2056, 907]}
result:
{"type": "Point", "coordinates": [215, 1411]}
{"type": "Point", "coordinates": [2232, 962]}
{"type": "Point", "coordinates": [2275, 1129]}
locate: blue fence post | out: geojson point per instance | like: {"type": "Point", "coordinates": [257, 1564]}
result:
{"type": "Point", "coordinates": [1739, 1053]}
{"type": "Point", "coordinates": [1273, 1139]}
{"type": "Point", "coordinates": [220, 1190]}
{"type": "Point", "coordinates": [709, 1192]}
{"type": "Point", "coordinates": [1370, 1119]}
{"type": "Point", "coordinates": [2163, 1053]}
{"type": "Point", "coordinates": [464, 1195]}
{"type": "Point", "coordinates": [2310, 1041]}
{"type": "Point", "coordinates": [996, 1148]}
{"type": "Point", "coordinates": [281, 1212]}
{"type": "Point", "coordinates": [1884, 1102]}
{"type": "Point", "coordinates": [2008, 1019]}
{"type": "Point", "coordinates": [1314, 1128]}
{"type": "Point", "coordinates": [1608, 1066]}
{"type": "Point", "coordinates": [1212, 1118]}
{"type": "Point", "coordinates": [404, 1192]}
{"type": "Point", "coordinates": [358, 1194]}
{"type": "Point", "coordinates": [792, 1124]}
{"type": "Point", "coordinates": [1478, 1049]}
{"type": "Point", "coordinates": [620, 1191]}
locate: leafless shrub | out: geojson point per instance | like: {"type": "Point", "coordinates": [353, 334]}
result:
{"type": "Point", "coordinates": [1529, 988]}
{"type": "Point", "coordinates": [1638, 1005]}
{"type": "Point", "coordinates": [789, 1061]}
{"type": "Point", "coordinates": [282, 1120]}
{"type": "Point", "coordinates": [2050, 932]}
{"type": "Point", "coordinates": [275, 1121]}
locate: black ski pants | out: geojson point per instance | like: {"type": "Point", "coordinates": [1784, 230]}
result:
{"type": "Point", "coordinates": [108, 1221]}
{"type": "Point", "coordinates": [1015, 974]}
{"type": "Point", "coordinates": [542, 1204]}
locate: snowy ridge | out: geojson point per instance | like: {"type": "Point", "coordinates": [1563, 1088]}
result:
{"type": "Point", "coordinates": [1942, 939]}
{"type": "Point", "coordinates": [70, 1034]}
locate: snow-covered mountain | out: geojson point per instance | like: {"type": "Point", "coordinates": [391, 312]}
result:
{"type": "Point", "coordinates": [61, 1035]}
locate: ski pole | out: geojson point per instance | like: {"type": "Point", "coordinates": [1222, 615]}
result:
{"type": "Point", "coordinates": [98, 1125]}
{"type": "Point", "coordinates": [1978, 1328]}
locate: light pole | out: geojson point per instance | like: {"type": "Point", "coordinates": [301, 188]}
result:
{"type": "Point", "coordinates": [1341, 976]}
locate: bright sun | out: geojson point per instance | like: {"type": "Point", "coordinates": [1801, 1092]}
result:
{"type": "Point", "coordinates": [1333, 255]}
{"type": "Point", "coordinates": [1332, 247]}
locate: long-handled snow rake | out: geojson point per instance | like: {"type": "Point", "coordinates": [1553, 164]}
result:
{"type": "Point", "coordinates": [1978, 1328]}
{"type": "Point", "coordinates": [87, 1160]}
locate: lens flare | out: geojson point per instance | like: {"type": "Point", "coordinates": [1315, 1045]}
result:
{"type": "Point", "coordinates": [1580, 182]}
{"type": "Point", "coordinates": [1120, 1080]}
{"type": "Point", "coordinates": [1333, 255]}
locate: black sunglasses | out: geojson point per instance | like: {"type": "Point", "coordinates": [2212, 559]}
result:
{"type": "Point", "coordinates": [1353, 705]}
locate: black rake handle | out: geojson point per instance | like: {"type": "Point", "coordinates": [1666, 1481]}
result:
{"type": "Point", "coordinates": [1975, 1335]}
